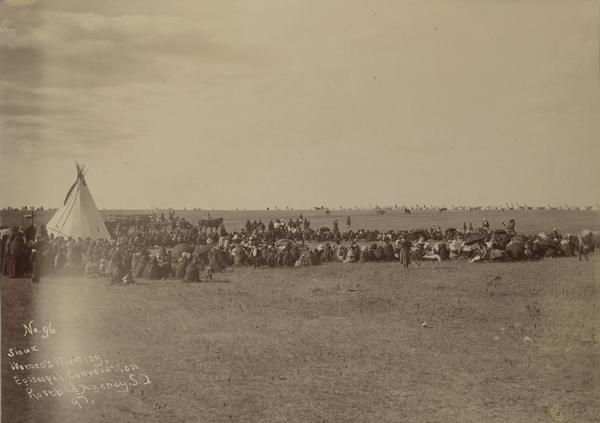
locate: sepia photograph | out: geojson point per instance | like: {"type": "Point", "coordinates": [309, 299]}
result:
{"type": "Point", "coordinates": [300, 211]}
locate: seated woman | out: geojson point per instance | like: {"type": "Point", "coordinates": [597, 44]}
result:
{"type": "Point", "coordinates": [379, 253]}
{"type": "Point", "coordinates": [353, 254]}
{"type": "Point", "coordinates": [102, 266]}
{"type": "Point", "coordinates": [455, 248]}
{"type": "Point", "coordinates": [152, 270]}
{"type": "Point", "coordinates": [192, 273]}
{"type": "Point", "coordinates": [442, 250]}
{"type": "Point", "coordinates": [305, 258]}
{"type": "Point", "coordinates": [365, 255]}
{"type": "Point", "coordinates": [141, 264]}
{"type": "Point", "coordinates": [164, 264]}
{"type": "Point", "coordinates": [316, 257]}
{"type": "Point", "coordinates": [117, 271]}
{"type": "Point", "coordinates": [182, 266]}
{"type": "Point", "coordinates": [340, 252]}
{"type": "Point", "coordinates": [431, 252]}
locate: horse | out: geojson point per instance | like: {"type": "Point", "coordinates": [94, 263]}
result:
{"type": "Point", "coordinates": [379, 212]}
{"type": "Point", "coordinates": [210, 223]}
{"type": "Point", "coordinates": [587, 240]}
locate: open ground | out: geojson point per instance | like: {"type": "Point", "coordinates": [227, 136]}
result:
{"type": "Point", "coordinates": [443, 342]}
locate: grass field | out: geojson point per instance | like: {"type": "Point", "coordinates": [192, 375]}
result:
{"type": "Point", "coordinates": [504, 343]}
{"type": "Point", "coordinates": [528, 221]}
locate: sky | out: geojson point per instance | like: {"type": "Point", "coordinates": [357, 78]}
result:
{"type": "Point", "coordinates": [252, 104]}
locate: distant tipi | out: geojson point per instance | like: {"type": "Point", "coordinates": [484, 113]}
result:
{"type": "Point", "coordinates": [78, 217]}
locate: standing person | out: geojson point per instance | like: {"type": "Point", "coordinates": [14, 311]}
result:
{"type": "Point", "coordinates": [464, 227]}
{"type": "Point", "coordinates": [486, 225]}
{"type": "Point", "coordinates": [36, 265]}
{"type": "Point", "coordinates": [16, 264]}
{"type": "Point", "coordinates": [7, 261]}
{"type": "Point", "coordinates": [30, 232]}
{"type": "Point", "coordinates": [348, 222]}
{"type": "Point", "coordinates": [222, 231]}
{"type": "Point", "coordinates": [60, 258]}
{"type": "Point", "coordinates": [127, 266]}
{"type": "Point", "coordinates": [43, 232]}
{"type": "Point", "coordinates": [117, 267]}
{"type": "Point", "coordinates": [3, 254]}
{"type": "Point", "coordinates": [405, 246]}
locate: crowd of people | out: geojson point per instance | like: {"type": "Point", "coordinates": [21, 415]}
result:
{"type": "Point", "coordinates": [169, 247]}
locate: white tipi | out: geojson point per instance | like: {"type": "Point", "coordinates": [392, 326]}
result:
{"type": "Point", "coordinates": [78, 217]}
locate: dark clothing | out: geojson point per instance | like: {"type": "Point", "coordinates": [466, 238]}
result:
{"type": "Point", "coordinates": [3, 254]}
{"type": "Point", "coordinates": [165, 270]}
{"type": "Point", "coordinates": [154, 269]}
{"type": "Point", "coordinates": [404, 257]}
{"type": "Point", "coordinates": [12, 266]}
{"type": "Point", "coordinates": [17, 258]}
{"type": "Point", "coordinates": [405, 247]}
{"type": "Point", "coordinates": [191, 273]}
{"type": "Point", "coordinates": [140, 266]}
{"type": "Point", "coordinates": [316, 257]}
{"type": "Point", "coordinates": [117, 272]}
{"type": "Point", "coordinates": [379, 253]}
{"type": "Point", "coordinates": [443, 251]}
{"type": "Point", "coordinates": [388, 252]}
{"type": "Point", "coordinates": [181, 268]}
{"type": "Point", "coordinates": [147, 272]}
{"type": "Point", "coordinates": [36, 266]}
{"type": "Point", "coordinates": [30, 233]}
{"type": "Point", "coordinates": [510, 228]}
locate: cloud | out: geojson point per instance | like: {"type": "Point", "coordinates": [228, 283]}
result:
{"type": "Point", "coordinates": [81, 80]}
{"type": "Point", "coordinates": [55, 121]}
{"type": "Point", "coordinates": [17, 101]}
{"type": "Point", "coordinates": [89, 49]}
{"type": "Point", "coordinates": [19, 3]}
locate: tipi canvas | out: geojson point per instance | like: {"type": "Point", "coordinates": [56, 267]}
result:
{"type": "Point", "coordinates": [78, 217]}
